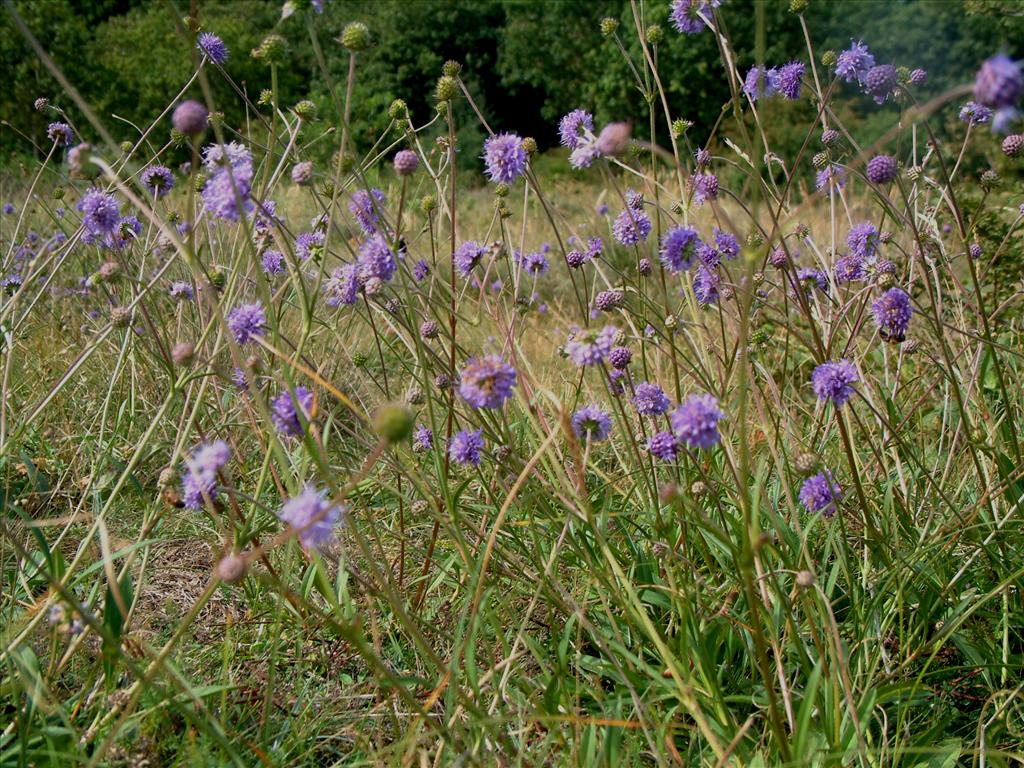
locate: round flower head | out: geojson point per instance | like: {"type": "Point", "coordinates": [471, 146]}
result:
{"type": "Point", "coordinates": [663, 446]}
{"type": "Point", "coordinates": [695, 422]}
{"type": "Point", "coordinates": [819, 494]}
{"type": "Point", "coordinates": [761, 83]}
{"type": "Point", "coordinates": [999, 83]}
{"type": "Point", "coordinates": [727, 244]}
{"type": "Point", "coordinates": [534, 263]}
{"type": "Point", "coordinates": [313, 517]}
{"type": "Point", "coordinates": [584, 155]}
{"type": "Point", "coordinates": [8, 208]}
{"type": "Point", "coordinates": [591, 422]}
{"type": "Point", "coordinates": [199, 483]}
{"type": "Point", "coordinates": [273, 262]}
{"type": "Point", "coordinates": [504, 158]}
{"type": "Point", "coordinates": [487, 382]}
{"type": "Point", "coordinates": [834, 381]}
{"type": "Point", "coordinates": [100, 212]}
{"type": "Point", "coordinates": [420, 271]}
{"type": "Point", "coordinates": [376, 259]}
{"type": "Point", "coordinates": [591, 346]}
{"type": "Point", "coordinates": [285, 415]}
{"type": "Point", "coordinates": [181, 290]}
{"type": "Point", "coordinates": [631, 227]}
{"type": "Point", "coordinates": [974, 113]}
{"type": "Point", "coordinates": [863, 240]}
{"type": "Point", "coordinates": [364, 208]}
{"type": "Point", "coordinates": [158, 179]}
{"type": "Point", "coordinates": [880, 81]}
{"type": "Point", "coordinates": [705, 187]}
{"type": "Point", "coordinates": [343, 286]}
{"type": "Point", "coordinates": [853, 64]}
{"type": "Point", "coordinates": [466, 446]}
{"type": "Point", "coordinates": [881, 169]}
{"type": "Point", "coordinates": [226, 193]}
{"type": "Point", "coordinates": [849, 268]}
{"type": "Point", "coordinates": [309, 244]}
{"type": "Point", "coordinates": [574, 127]}
{"type": "Point", "coordinates": [650, 400]}
{"type": "Point", "coordinates": [789, 79]}
{"type": "Point", "coordinates": [406, 162]}
{"type": "Point", "coordinates": [684, 18]}
{"type": "Point", "coordinates": [608, 300]}
{"type": "Point", "coordinates": [1013, 145]}
{"type": "Point", "coordinates": [810, 278]}
{"type": "Point", "coordinates": [60, 134]}
{"type": "Point", "coordinates": [620, 358]}
{"type": "Point", "coordinates": [677, 248]}
{"type": "Point", "coordinates": [918, 77]}
{"type": "Point", "coordinates": [302, 173]}
{"type": "Point", "coordinates": [468, 255]}
{"type": "Point", "coordinates": [892, 311]}
{"type": "Point", "coordinates": [214, 48]}
{"type": "Point", "coordinates": [190, 117]}
{"type": "Point", "coordinates": [829, 176]}
{"type": "Point", "coordinates": [778, 258]}
{"type": "Point", "coordinates": [706, 284]}
{"type": "Point", "coordinates": [422, 439]}
{"type": "Point", "coordinates": [247, 321]}
{"type": "Point", "coordinates": [614, 139]}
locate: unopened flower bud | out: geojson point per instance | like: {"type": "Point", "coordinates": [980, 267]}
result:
{"type": "Point", "coordinates": [451, 68]}
{"type": "Point", "coordinates": [608, 26]}
{"type": "Point", "coordinates": [232, 568]}
{"type": "Point", "coordinates": [355, 37]}
{"type": "Point", "coordinates": [447, 88]}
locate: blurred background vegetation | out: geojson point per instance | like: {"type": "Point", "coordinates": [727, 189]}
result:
{"type": "Point", "coordinates": [526, 61]}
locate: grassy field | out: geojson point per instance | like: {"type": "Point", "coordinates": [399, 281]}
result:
{"type": "Point", "coordinates": [749, 482]}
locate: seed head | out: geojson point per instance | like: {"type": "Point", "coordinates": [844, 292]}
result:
{"type": "Point", "coordinates": [305, 110]}
{"type": "Point", "coordinates": [655, 34]}
{"type": "Point", "coordinates": [355, 37]}
{"type": "Point", "coordinates": [608, 26]}
{"type": "Point", "coordinates": [829, 59]}
{"type": "Point", "coordinates": [447, 88]}
{"type": "Point", "coordinates": [798, 6]}
{"type": "Point", "coordinates": [451, 68]}
{"type": "Point", "coordinates": [989, 180]}
{"type": "Point", "coordinates": [271, 50]}
{"type": "Point", "coordinates": [398, 110]}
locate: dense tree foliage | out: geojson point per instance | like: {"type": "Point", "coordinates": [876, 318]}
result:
{"type": "Point", "coordinates": [526, 62]}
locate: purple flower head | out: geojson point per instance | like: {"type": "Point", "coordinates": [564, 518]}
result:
{"type": "Point", "coordinates": [663, 446]}
{"type": "Point", "coordinates": [677, 248]}
{"type": "Point", "coordinates": [761, 83]}
{"type": "Point", "coordinates": [695, 422]}
{"type": "Point", "coordinates": [247, 321]}
{"type": "Point", "coordinates": [608, 300]}
{"type": "Point", "coordinates": [999, 83]}
{"type": "Point", "coordinates": [834, 381]}
{"type": "Point", "coordinates": [853, 64]}
{"type": "Point", "coordinates": [302, 173]}
{"type": "Point", "coordinates": [406, 162]}
{"type": "Point", "coordinates": [591, 422]}
{"type": "Point", "coordinates": [575, 259]}
{"type": "Point", "coordinates": [614, 139]}
{"type": "Point", "coordinates": [584, 155]}
{"type": "Point", "coordinates": [819, 494]}
{"type": "Point", "coordinates": [376, 259]}
{"type": "Point", "coordinates": [285, 415]}
{"type": "Point", "coordinates": [974, 113]}
{"type": "Point", "coordinates": [422, 439]}
{"type": "Point", "coordinates": [487, 381]}
{"type": "Point", "coordinates": [8, 208]}
{"type": "Point", "coordinates": [706, 284]}
{"type": "Point", "coordinates": [100, 212]}
{"type": "Point", "coordinates": [468, 255]}
{"type": "Point", "coordinates": [230, 182]}
{"type": "Point", "coordinates": [705, 187]}
{"type": "Point", "coordinates": [313, 517]}
{"type": "Point", "coordinates": [892, 311]}
{"type": "Point", "coordinates": [574, 127]}
{"type": "Point", "coordinates": [420, 271]}
{"type": "Point", "coordinates": [342, 287]}
{"type": "Point", "coordinates": [273, 262]}
{"type": "Point", "coordinates": [535, 263]}
{"type": "Point", "coordinates": [727, 244]}
{"type": "Point", "coordinates": [200, 480]}
{"type": "Point", "coordinates": [1003, 119]}
{"type": "Point", "coordinates": [650, 400]}
{"type": "Point", "coordinates": [684, 18]}
{"type": "Point", "coordinates": [789, 79]}
{"type": "Point", "coordinates": [504, 157]}
{"type": "Point", "coordinates": [465, 446]}
{"type": "Point", "coordinates": [881, 169]}
{"type": "Point", "coordinates": [309, 244]}
{"type": "Point", "coordinates": [880, 82]}
{"type": "Point", "coordinates": [809, 277]}
{"type": "Point", "coordinates": [631, 227]}
{"type": "Point", "coordinates": [591, 346]}
{"type": "Point", "coordinates": [214, 48]}
{"type": "Point", "coordinates": [60, 134]}
{"type": "Point", "coordinates": [849, 268]}
{"type": "Point", "coordinates": [831, 175]}
{"type": "Point", "coordinates": [620, 358]}
{"type": "Point", "coordinates": [918, 77]}
{"type": "Point", "coordinates": [634, 199]}
{"type": "Point", "coordinates": [594, 248]}
{"type": "Point", "coordinates": [190, 117]}
{"type": "Point", "coordinates": [182, 290]}
{"type": "Point", "coordinates": [708, 256]}
{"type": "Point", "coordinates": [863, 240]}
{"type": "Point", "coordinates": [158, 179]}
{"type": "Point", "coordinates": [363, 206]}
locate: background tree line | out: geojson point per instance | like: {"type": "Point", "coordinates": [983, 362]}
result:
{"type": "Point", "coordinates": [526, 62]}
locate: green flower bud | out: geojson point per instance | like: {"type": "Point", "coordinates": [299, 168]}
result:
{"type": "Point", "coordinates": [398, 109]}
{"type": "Point", "coordinates": [266, 98]}
{"type": "Point", "coordinates": [305, 110]}
{"type": "Point", "coordinates": [829, 59]}
{"type": "Point", "coordinates": [177, 137]}
{"type": "Point", "coordinates": [447, 88]}
{"type": "Point", "coordinates": [608, 26]}
{"type": "Point", "coordinates": [359, 359]}
{"type": "Point", "coordinates": [272, 50]}
{"type": "Point", "coordinates": [355, 37]}
{"type": "Point", "coordinates": [218, 277]}
{"type": "Point", "coordinates": [126, 147]}
{"type": "Point", "coordinates": [530, 145]}
{"type": "Point", "coordinates": [428, 203]}
{"type": "Point", "coordinates": [199, 181]}
{"type": "Point", "coordinates": [216, 119]}
{"type": "Point", "coordinates": [327, 188]}
{"type": "Point", "coordinates": [58, 193]}
{"type": "Point", "coordinates": [820, 160]}
{"type": "Point", "coordinates": [501, 190]}
{"type": "Point", "coordinates": [451, 68]}
{"type": "Point", "coordinates": [680, 126]}
{"type": "Point", "coordinates": [393, 422]}
{"type": "Point", "coordinates": [655, 34]}
{"type": "Point", "coordinates": [990, 180]}
{"type": "Point", "coordinates": [798, 6]}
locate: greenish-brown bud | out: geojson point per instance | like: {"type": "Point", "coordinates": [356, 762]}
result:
{"type": "Point", "coordinates": [608, 26]}
{"type": "Point", "coordinates": [393, 422]}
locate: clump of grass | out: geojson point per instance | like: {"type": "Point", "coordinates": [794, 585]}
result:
{"type": "Point", "coordinates": [680, 463]}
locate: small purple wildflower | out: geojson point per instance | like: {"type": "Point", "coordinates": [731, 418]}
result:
{"type": "Point", "coordinates": [620, 358]}
{"type": "Point", "coordinates": [363, 206]}
{"type": "Point", "coordinates": [631, 227]}
{"type": "Point", "coordinates": [214, 48]}
{"type": "Point", "coordinates": [200, 480]}
{"type": "Point", "coordinates": [881, 169]}
{"type": "Point", "coordinates": [663, 446]}
{"type": "Point", "coordinates": [591, 346]}
{"type": "Point", "coordinates": [8, 208]}
{"type": "Point", "coordinates": [376, 259]}
{"type": "Point", "coordinates": [974, 113]}
{"type": "Point", "coordinates": [809, 277]}
{"type": "Point", "coordinates": [468, 255]}
{"type": "Point", "coordinates": [695, 422]}
{"type": "Point", "coordinates": [761, 83]}
{"type": "Point", "coordinates": [504, 157]}
{"type": "Point", "coordinates": [158, 179]}
{"type": "Point", "coordinates": [650, 400]}
{"type": "Point", "coordinates": [466, 446]}
{"type": "Point", "coordinates": [181, 290]}
{"type": "Point", "coordinates": [999, 83]}
{"type": "Point", "coordinates": [230, 182]}
{"type": "Point", "coordinates": [273, 262]}
{"type": "Point", "coordinates": [420, 271]}
{"type": "Point", "coordinates": [684, 18]}
{"type": "Point", "coordinates": [863, 240]}
{"type": "Point", "coordinates": [677, 248]}
{"type": "Point", "coordinates": [422, 439]}
{"type": "Point", "coordinates": [706, 284]}
{"type": "Point", "coordinates": [705, 187]}
{"type": "Point", "coordinates": [342, 287]}
{"type": "Point", "coordinates": [100, 212]}
{"type": "Point", "coordinates": [853, 64]}
{"type": "Point", "coordinates": [190, 117]}
{"type": "Point", "coordinates": [534, 263]}
{"type": "Point", "coordinates": [309, 244]}
{"type": "Point", "coordinates": [60, 134]}
{"type": "Point", "coordinates": [880, 82]}
{"type": "Point", "coordinates": [892, 311]}
{"type": "Point", "coordinates": [819, 494]}
{"type": "Point", "coordinates": [789, 79]}
{"type": "Point", "coordinates": [285, 415]}
{"type": "Point", "coordinates": [406, 162]}
{"type": "Point", "coordinates": [591, 422]}
{"type": "Point", "coordinates": [247, 321]}
{"type": "Point", "coordinates": [487, 381]}
{"type": "Point", "coordinates": [831, 175]}
{"type": "Point", "coordinates": [727, 244]}
{"type": "Point", "coordinates": [313, 517]}
{"type": "Point", "coordinates": [574, 127]}
{"type": "Point", "coordinates": [849, 268]}
{"type": "Point", "coordinates": [834, 381]}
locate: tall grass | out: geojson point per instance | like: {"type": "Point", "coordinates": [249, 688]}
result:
{"type": "Point", "coordinates": [568, 600]}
